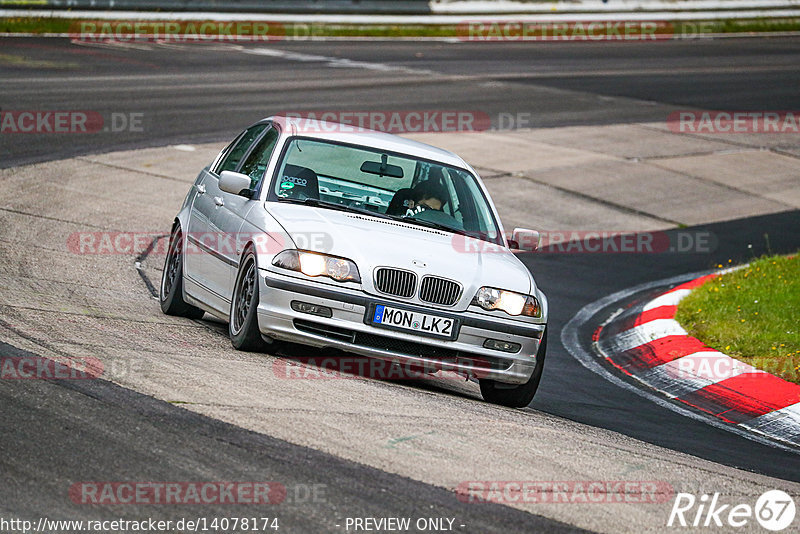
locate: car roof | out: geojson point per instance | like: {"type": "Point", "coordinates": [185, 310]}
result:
{"type": "Point", "coordinates": [347, 133]}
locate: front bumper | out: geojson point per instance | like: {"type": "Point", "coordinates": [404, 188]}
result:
{"type": "Point", "coordinates": [348, 330]}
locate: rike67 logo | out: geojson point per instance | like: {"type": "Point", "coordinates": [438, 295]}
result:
{"type": "Point", "coordinates": [774, 510]}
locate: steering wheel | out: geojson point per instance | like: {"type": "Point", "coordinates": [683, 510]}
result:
{"type": "Point", "coordinates": [437, 216]}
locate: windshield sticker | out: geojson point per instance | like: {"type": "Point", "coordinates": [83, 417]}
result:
{"type": "Point", "coordinates": [287, 185]}
{"type": "Point", "coordinates": [295, 180]}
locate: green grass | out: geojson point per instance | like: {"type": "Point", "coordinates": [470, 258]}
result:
{"type": "Point", "coordinates": [43, 25]}
{"type": "Point", "coordinates": [34, 25]}
{"type": "Point", "coordinates": [751, 314]}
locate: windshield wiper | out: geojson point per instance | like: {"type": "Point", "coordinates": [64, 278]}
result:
{"type": "Point", "coordinates": [439, 226]}
{"type": "Point", "coordinates": [431, 224]}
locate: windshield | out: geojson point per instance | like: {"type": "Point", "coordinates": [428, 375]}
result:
{"type": "Point", "coordinates": [363, 179]}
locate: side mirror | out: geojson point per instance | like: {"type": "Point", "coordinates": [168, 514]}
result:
{"type": "Point", "coordinates": [524, 239]}
{"type": "Point", "coordinates": [235, 183]}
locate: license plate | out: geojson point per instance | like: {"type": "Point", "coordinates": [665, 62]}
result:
{"type": "Point", "coordinates": [414, 321]}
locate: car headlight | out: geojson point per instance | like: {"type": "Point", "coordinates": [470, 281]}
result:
{"type": "Point", "coordinates": [316, 264]}
{"type": "Point", "coordinates": [490, 298]}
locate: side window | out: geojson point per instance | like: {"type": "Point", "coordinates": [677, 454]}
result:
{"type": "Point", "coordinates": [232, 158]}
{"type": "Point", "coordinates": [257, 161]}
{"type": "Point", "coordinates": [473, 216]}
{"type": "Point", "coordinates": [224, 152]}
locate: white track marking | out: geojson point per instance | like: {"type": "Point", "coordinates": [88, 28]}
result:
{"type": "Point", "coordinates": [784, 421]}
{"type": "Point", "coordinates": [329, 61]}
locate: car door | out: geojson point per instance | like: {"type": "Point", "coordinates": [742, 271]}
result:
{"type": "Point", "coordinates": [203, 263]}
{"type": "Point", "coordinates": [229, 217]}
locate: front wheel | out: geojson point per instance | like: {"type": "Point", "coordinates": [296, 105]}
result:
{"type": "Point", "coordinates": [171, 294]}
{"type": "Point", "coordinates": [243, 323]}
{"type": "Point", "coordinates": [516, 396]}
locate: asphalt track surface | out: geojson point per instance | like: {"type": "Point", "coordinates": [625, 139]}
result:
{"type": "Point", "coordinates": [189, 94]}
{"type": "Point", "coordinates": [593, 276]}
{"type": "Point", "coordinates": [109, 431]}
{"type": "Point", "coordinates": [196, 93]}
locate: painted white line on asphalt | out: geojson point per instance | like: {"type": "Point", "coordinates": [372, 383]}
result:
{"type": "Point", "coordinates": [571, 340]}
{"type": "Point", "coordinates": [785, 421]}
{"type": "Point", "coordinates": [328, 61]}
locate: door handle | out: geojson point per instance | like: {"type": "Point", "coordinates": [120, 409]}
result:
{"type": "Point", "coordinates": [201, 189]}
{"type": "Point", "coordinates": [218, 201]}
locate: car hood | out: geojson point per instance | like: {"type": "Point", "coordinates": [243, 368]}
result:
{"type": "Point", "coordinates": [373, 242]}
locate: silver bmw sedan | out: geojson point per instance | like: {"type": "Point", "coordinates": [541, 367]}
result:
{"type": "Point", "coordinates": [329, 235]}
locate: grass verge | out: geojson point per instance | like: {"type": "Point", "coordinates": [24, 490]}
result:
{"type": "Point", "coordinates": [751, 314]}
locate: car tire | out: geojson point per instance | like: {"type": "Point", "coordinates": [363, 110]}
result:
{"type": "Point", "coordinates": [171, 293]}
{"type": "Point", "coordinates": [516, 396]}
{"type": "Point", "coordinates": [243, 319]}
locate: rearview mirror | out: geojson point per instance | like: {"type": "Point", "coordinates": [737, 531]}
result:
{"type": "Point", "coordinates": [235, 183]}
{"type": "Point", "coordinates": [524, 239]}
{"type": "Point", "coordinates": [382, 168]}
